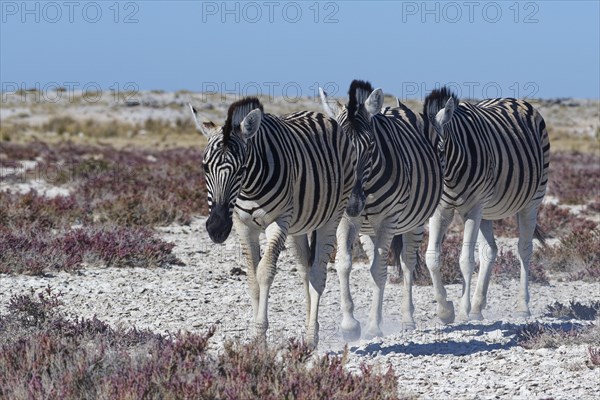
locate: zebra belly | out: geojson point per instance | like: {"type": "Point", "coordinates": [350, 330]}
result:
{"type": "Point", "coordinates": [511, 195]}
{"type": "Point", "coordinates": [502, 207]}
{"type": "Point", "coordinates": [313, 210]}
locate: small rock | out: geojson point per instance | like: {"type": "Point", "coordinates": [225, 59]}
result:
{"type": "Point", "coordinates": [237, 271]}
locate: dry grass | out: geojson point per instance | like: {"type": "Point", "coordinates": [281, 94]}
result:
{"type": "Point", "coordinates": [563, 139]}
{"type": "Point", "coordinates": [537, 335]}
{"type": "Point", "coordinates": [153, 133]}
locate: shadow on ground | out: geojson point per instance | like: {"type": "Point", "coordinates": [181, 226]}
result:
{"type": "Point", "coordinates": [497, 336]}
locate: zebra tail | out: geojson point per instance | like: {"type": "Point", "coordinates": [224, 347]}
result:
{"type": "Point", "coordinates": [540, 235]}
{"type": "Point", "coordinates": [396, 250]}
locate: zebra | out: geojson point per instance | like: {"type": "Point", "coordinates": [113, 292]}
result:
{"type": "Point", "coordinates": [496, 154]}
{"type": "Point", "coordinates": [288, 175]}
{"type": "Point", "coordinates": [398, 186]}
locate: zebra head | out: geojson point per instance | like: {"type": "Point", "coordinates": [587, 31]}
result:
{"type": "Point", "coordinates": [438, 109]}
{"type": "Point", "coordinates": [224, 162]}
{"type": "Point", "coordinates": [355, 118]}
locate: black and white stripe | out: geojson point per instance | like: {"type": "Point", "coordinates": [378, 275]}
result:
{"type": "Point", "coordinates": [497, 157]}
{"type": "Point", "coordinates": [289, 175]}
{"type": "Point", "coordinates": [398, 186]}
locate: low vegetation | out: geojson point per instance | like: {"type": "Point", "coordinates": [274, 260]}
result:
{"type": "Point", "coordinates": [574, 177]}
{"type": "Point", "coordinates": [574, 310]}
{"type": "Point", "coordinates": [115, 198]}
{"type": "Point", "coordinates": [65, 126]}
{"type": "Point", "coordinates": [39, 251]}
{"type": "Point", "coordinates": [538, 335]}
{"type": "Point", "coordinates": [45, 354]}
{"type": "Point", "coordinates": [575, 257]}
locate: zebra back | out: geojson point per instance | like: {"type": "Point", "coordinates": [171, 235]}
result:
{"type": "Point", "coordinates": [497, 153]}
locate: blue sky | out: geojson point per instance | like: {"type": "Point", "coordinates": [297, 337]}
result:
{"type": "Point", "coordinates": [481, 48]}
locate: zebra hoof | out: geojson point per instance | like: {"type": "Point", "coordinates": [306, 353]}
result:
{"type": "Point", "coordinates": [462, 317]}
{"type": "Point", "coordinates": [312, 342]}
{"type": "Point", "coordinates": [476, 316]}
{"type": "Point", "coordinates": [522, 314]}
{"type": "Point", "coordinates": [446, 313]}
{"type": "Point", "coordinates": [351, 331]}
{"type": "Point", "coordinates": [409, 326]}
{"type": "Point", "coordinates": [373, 333]}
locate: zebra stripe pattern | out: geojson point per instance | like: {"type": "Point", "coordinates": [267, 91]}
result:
{"type": "Point", "coordinates": [398, 186]}
{"type": "Point", "coordinates": [289, 175]}
{"type": "Point", "coordinates": [497, 158]}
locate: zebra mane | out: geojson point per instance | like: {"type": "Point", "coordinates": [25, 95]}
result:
{"type": "Point", "coordinates": [358, 94]}
{"type": "Point", "coordinates": [236, 114]}
{"type": "Point", "coordinates": [435, 101]}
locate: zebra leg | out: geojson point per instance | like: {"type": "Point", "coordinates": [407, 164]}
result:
{"type": "Point", "coordinates": [249, 241]}
{"type": "Point", "coordinates": [383, 239]}
{"type": "Point", "coordinates": [346, 234]}
{"type": "Point", "coordinates": [467, 258]}
{"type": "Point", "coordinates": [411, 242]}
{"type": "Point", "coordinates": [323, 247]}
{"type": "Point", "coordinates": [487, 256]}
{"type": "Point", "coordinates": [368, 244]}
{"type": "Point", "coordinates": [438, 225]}
{"type": "Point", "coordinates": [527, 220]}
{"type": "Point", "coordinates": [302, 261]}
{"type": "Point", "coordinates": [265, 273]}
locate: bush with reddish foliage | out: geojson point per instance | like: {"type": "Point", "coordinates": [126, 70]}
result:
{"type": "Point", "coordinates": [114, 196]}
{"type": "Point", "coordinates": [574, 177]}
{"type": "Point", "coordinates": [34, 211]}
{"type": "Point", "coordinates": [507, 265]}
{"type": "Point", "coordinates": [44, 354]}
{"type": "Point", "coordinates": [138, 186]}
{"type": "Point", "coordinates": [153, 188]}
{"type": "Point", "coordinates": [11, 153]}
{"type": "Point", "coordinates": [577, 255]}
{"type": "Point", "coordinates": [31, 251]}
{"type": "Point", "coordinates": [449, 261]}
{"type": "Point", "coordinates": [555, 221]}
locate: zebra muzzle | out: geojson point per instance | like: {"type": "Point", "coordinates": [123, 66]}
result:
{"type": "Point", "coordinates": [356, 202]}
{"type": "Point", "coordinates": [219, 223]}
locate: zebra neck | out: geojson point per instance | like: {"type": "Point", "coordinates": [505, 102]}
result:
{"type": "Point", "coordinates": [259, 167]}
{"type": "Point", "coordinates": [450, 147]}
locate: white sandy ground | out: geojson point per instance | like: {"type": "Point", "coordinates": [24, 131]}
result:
{"type": "Point", "coordinates": [470, 360]}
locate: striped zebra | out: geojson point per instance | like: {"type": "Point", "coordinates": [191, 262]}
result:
{"type": "Point", "coordinates": [497, 157]}
{"type": "Point", "coordinates": [289, 175]}
{"type": "Point", "coordinates": [398, 186]}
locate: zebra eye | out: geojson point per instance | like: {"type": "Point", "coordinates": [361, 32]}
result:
{"type": "Point", "coordinates": [205, 166]}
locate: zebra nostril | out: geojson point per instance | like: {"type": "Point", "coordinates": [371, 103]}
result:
{"type": "Point", "coordinates": [356, 204]}
{"type": "Point", "coordinates": [219, 223]}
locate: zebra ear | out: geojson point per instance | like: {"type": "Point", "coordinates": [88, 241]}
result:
{"type": "Point", "coordinates": [445, 114]}
{"type": "Point", "coordinates": [374, 102]}
{"type": "Point", "coordinates": [207, 128]}
{"type": "Point", "coordinates": [251, 123]}
{"type": "Point", "coordinates": [398, 102]}
{"type": "Point", "coordinates": [331, 106]}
